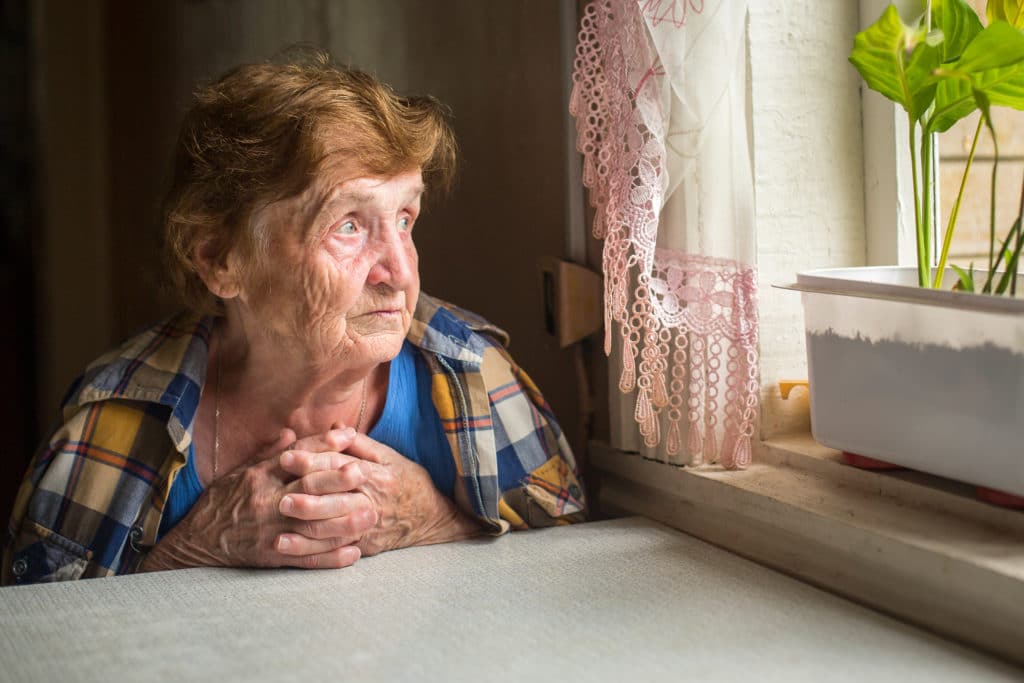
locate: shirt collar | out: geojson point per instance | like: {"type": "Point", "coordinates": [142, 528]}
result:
{"type": "Point", "coordinates": [165, 365]}
{"type": "Point", "coordinates": [440, 327]}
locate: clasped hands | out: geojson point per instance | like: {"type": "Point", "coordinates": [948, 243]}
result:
{"type": "Point", "coordinates": [324, 502]}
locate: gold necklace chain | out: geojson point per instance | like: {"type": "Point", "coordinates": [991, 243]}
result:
{"type": "Point", "coordinates": [216, 422]}
{"type": "Point", "coordinates": [362, 407]}
{"type": "Point", "coordinates": [216, 418]}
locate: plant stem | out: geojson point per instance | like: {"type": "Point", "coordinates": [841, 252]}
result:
{"type": "Point", "coordinates": [927, 189]}
{"type": "Point", "coordinates": [948, 239]}
{"type": "Point", "coordinates": [1010, 274]}
{"type": "Point", "coordinates": [992, 200]}
{"type": "Point", "coordinates": [1020, 242]}
{"type": "Point", "coordinates": [1014, 230]}
{"type": "Point", "coordinates": [923, 271]}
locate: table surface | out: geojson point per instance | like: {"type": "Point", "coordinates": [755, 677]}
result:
{"type": "Point", "coordinates": [624, 600]}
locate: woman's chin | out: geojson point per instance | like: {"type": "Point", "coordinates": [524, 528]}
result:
{"type": "Point", "coordinates": [379, 346]}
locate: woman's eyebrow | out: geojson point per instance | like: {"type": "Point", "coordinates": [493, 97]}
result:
{"type": "Point", "coordinates": [353, 196]}
{"type": "Point", "coordinates": [338, 196]}
{"type": "Point", "coordinates": [360, 197]}
{"type": "Point", "coordinates": [415, 192]}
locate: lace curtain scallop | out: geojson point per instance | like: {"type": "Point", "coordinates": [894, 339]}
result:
{"type": "Point", "coordinates": [659, 97]}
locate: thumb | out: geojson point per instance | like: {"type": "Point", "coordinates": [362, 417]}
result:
{"type": "Point", "coordinates": [285, 439]}
{"type": "Point", "coordinates": [269, 457]}
{"type": "Point", "coordinates": [371, 450]}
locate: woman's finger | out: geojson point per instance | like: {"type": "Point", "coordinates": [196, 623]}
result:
{"type": "Point", "coordinates": [365, 448]}
{"type": "Point", "coordinates": [331, 440]}
{"type": "Point", "coordinates": [308, 538]}
{"type": "Point", "coordinates": [332, 558]}
{"type": "Point", "coordinates": [300, 463]}
{"type": "Point", "coordinates": [268, 458]}
{"type": "Point", "coordinates": [285, 438]}
{"type": "Point", "coordinates": [306, 507]}
{"type": "Point", "coordinates": [348, 478]}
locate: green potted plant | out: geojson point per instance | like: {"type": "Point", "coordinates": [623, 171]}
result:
{"type": "Point", "coordinates": [924, 366]}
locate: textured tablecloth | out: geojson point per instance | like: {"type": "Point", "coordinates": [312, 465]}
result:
{"type": "Point", "coordinates": [626, 600]}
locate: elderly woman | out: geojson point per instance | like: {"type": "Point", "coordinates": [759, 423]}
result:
{"type": "Point", "coordinates": [310, 406]}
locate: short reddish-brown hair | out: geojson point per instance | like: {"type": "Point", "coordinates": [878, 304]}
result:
{"type": "Point", "coordinates": [260, 133]}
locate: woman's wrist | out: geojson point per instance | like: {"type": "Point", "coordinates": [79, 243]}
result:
{"type": "Point", "coordinates": [158, 560]}
{"type": "Point", "coordinates": [452, 524]}
{"type": "Point", "coordinates": [176, 551]}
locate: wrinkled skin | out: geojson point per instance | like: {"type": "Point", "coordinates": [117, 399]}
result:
{"type": "Point", "coordinates": [343, 279]}
{"type": "Point", "coordinates": [309, 330]}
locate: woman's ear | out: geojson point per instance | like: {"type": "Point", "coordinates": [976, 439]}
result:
{"type": "Point", "coordinates": [218, 270]}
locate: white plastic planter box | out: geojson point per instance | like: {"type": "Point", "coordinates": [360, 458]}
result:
{"type": "Point", "coordinates": [929, 379]}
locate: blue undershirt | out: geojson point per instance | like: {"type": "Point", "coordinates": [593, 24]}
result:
{"type": "Point", "coordinates": [409, 424]}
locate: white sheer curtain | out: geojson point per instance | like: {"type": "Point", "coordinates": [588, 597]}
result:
{"type": "Point", "coordinates": [660, 101]}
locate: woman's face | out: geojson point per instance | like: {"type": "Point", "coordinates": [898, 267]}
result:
{"type": "Point", "coordinates": [340, 276]}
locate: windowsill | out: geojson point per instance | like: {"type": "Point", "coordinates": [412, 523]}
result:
{"type": "Point", "coordinates": [914, 546]}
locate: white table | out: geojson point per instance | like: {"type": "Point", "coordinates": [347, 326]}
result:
{"type": "Point", "coordinates": [626, 600]}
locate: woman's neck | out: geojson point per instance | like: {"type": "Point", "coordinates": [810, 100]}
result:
{"type": "Point", "coordinates": [273, 385]}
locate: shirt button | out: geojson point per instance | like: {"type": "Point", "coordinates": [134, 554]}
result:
{"type": "Point", "coordinates": [20, 567]}
{"type": "Point", "coordinates": [134, 536]}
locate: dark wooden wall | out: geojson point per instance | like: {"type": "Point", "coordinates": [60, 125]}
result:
{"type": "Point", "coordinates": [114, 77]}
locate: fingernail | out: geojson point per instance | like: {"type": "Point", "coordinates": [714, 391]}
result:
{"type": "Point", "coordinates": [353, 554]}
{"type": "Point", "coordinates": [283, 542]}
{"type": "Point", "coordinates": [286, 505]}
{"type": "Point", "coordinates": [287, 458]}
{"type": "Point", "coordinates": [348, 432]}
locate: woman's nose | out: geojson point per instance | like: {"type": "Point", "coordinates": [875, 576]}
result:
{"type": "Point", "coordinates": [395, 264]}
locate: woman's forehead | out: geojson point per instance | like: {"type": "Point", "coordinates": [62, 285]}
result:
{"type": "Point", "coordinates": [366, 188]}
{"type": "Point", "coordinates": [345, 178]}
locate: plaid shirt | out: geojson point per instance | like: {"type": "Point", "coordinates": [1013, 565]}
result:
{"type": "Point", "coordinates": [91, 502]}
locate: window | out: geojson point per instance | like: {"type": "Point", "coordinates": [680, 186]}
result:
{"type": "Point", "coordinates": [832, 189]}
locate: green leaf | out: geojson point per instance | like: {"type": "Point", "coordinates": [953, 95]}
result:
{"type": "Point", "coordinates": [894, 60]}
{"type": "Point", "coordinates": [999, 45]}
{"type": "Point", "coordinates": [966, 282]}
{"type": "Point", "coordinates": [954, 99]}
{"type": "Point", "coordinates": [1010, 11]}
{"type": "Point", "coordinates": [1002, 85]}
{"type": "Point", "coordinates": [959, 25]}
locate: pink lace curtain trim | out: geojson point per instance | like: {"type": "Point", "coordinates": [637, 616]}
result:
{"type": "Point", "coordinates": [688, 322]}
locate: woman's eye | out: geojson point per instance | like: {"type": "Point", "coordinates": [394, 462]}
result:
{"type": "Point", "coordinates": [347, 228]}
{"type": "Point", "coordinates": [404, 223]}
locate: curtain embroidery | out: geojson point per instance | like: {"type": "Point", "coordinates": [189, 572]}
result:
{"type": "Point", "coordinates": [660, 116]}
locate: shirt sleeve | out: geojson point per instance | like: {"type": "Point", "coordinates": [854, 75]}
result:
{"type": "Point", "coordinates": [537, 474]}
{"type": "Point", "coordinates": [35, 553]}
{"type": "Point", "coordinates": [77, 511]}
